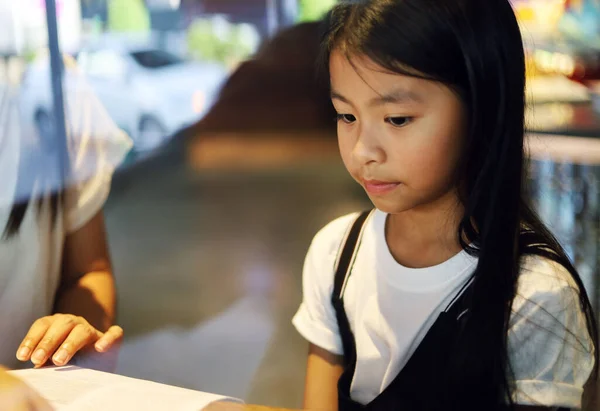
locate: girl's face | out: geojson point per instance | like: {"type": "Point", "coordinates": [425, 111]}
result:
{"type": "Point", "coordinates": [400, 137]}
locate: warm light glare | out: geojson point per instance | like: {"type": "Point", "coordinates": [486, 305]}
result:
{"type": "Point", "coordinates": [554, 62]}
{"type": "Point", "coordinates": [565, 65]}
{"type": "Point", "coordinates": [198, 102]}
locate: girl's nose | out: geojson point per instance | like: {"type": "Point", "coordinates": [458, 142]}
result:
{"type": "Point", "coordinates": [368, 148]}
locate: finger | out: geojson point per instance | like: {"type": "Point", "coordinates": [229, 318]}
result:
{"type": "Point", "coordinates": [33, 338]}
{"type": "Point", "coordinates": [56, 334]}
{"type": "Point", "coordinates": [112, 336]}
{"type": "Point", "coordinates": [81, 336]}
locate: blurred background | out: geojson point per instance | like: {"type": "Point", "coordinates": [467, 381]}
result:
{"type": "Point", "coordinates": [234, 165]}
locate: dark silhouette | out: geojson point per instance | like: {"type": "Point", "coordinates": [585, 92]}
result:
{"type": "Point", "coordinates": [278, 90]}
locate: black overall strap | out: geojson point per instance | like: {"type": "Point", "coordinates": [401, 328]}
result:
{"type": "Point", "coordinates": [343, 270]}
{"type": "Point", "coordinates": [457, 305]}
{"type": "Point", "coordinates": [347, 254]}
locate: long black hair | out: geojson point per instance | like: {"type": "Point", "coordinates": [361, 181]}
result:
{"type": "Point", "coordinates": [19, 210]}
{"type": "Point", "coordinates": [36, 186]}
{"type": "Point", "coordinates": [475, 48]}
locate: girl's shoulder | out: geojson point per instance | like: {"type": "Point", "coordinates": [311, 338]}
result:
{"type": "Point", "coordinates": [323, 251]}
{"type": "Point", "coordinates": [329, 238]}
{"type": "Point", "coordinates": [542, 275]}
{"type": "Point", "coordinates": [549, 298]}
{"type": "Point", "coordinates": [550, 347]}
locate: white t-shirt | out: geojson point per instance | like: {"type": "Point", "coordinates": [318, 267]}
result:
{"type": "Point", "coordinates": [30, 262]}
{"type": "Point", "coordinates": [390, 308]}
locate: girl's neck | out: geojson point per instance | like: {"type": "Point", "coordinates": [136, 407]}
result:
{"type": "Point", "coordinates": [427, 235]}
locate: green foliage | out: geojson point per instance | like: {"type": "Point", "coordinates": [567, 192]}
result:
{"type": "Point", "coordinates": [218, 40]}
{"type": "Point", "coordinates": [128, 16]}
{"type": "Point", "coordinates": [311, 10]}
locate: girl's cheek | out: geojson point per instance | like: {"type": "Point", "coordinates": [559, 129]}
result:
{"type": "Point", "coordinates": [345, 147]}
{"type": "Point", "coordinates": [429, 165]}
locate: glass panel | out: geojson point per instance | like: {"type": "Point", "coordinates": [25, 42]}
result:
{"type": "Point", "coordinates": [200, 130]}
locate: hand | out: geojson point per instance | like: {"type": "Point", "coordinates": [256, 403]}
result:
{"type": "Point", "coordinates": [61, 336]}
{"type": "Point", "coordinates": [15, 395]}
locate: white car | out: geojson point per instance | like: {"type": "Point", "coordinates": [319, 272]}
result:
{"type": "Point", "coordinates": [148, 92]}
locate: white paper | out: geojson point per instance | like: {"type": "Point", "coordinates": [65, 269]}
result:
{"type": "Point", "coordinates": [73, 389]}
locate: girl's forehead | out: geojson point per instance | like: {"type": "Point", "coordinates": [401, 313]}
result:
{"type": "Point", "coordinates": [360, 81]}
{"type": "Point", "coordinates": [341, 63]}
{"type": "Point", "coordinates": [358, 73]}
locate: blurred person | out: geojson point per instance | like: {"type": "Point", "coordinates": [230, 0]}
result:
{"type": "Point", "coordinates": [57, 291]}
{"type": "Point", "coordinates": [451, 294]}
{"type": "Point", "coordinates": [269, 92]}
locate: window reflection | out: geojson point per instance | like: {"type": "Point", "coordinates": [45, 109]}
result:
{"type": "Point", "coordinates": [234, 166]}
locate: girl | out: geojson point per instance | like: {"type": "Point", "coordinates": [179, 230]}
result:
{"type": "Point", "coordinates": [57, 293]}
{"type": "Point", "coordinates": [451, 294]}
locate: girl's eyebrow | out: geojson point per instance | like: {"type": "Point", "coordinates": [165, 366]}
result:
{"type": "Point", "coordinates": [338, 96]}
{"type": "Point", "coordinates": [396, 96]}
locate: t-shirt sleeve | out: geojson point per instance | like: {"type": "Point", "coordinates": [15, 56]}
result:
{"type": "Point", "coordinates": [550, 350]}
{"type": "Point", "coordinates": [85, 200]}
{"type": "Point", "coordinates": [97, 146]}
{"type": "Point", "coordinates": [316, 320]}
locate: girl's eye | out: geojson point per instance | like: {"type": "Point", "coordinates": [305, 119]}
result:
{"type": "Point", "coordinates": [399, 121]}
{"type": "Point", "coordinates": [346, 118]}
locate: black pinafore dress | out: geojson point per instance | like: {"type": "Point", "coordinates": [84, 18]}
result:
{"type": "Point", "coordinates": [418, 385]}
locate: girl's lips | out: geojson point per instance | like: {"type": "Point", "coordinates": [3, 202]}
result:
{"type": "Point", "coordinates": [379, 187]}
